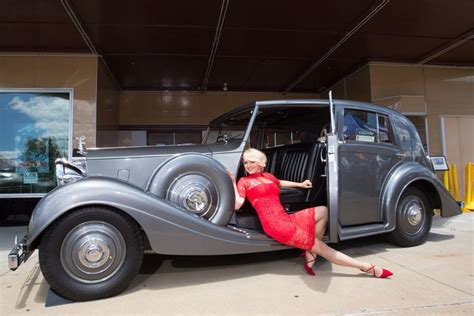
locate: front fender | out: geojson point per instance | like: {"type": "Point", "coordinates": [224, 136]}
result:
{"type": "Point", "coordinates": [402, 177]}
{"type": "Point", "coordinates": [89, 191]}
{"type": "Point", "coordinates": [170, 230]}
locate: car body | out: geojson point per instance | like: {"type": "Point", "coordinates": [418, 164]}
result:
{"type": "Point", "coordinates": [366, 163]}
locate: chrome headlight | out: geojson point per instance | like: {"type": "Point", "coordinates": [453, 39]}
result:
{"type": "Point", "coordinates": [67, 172]}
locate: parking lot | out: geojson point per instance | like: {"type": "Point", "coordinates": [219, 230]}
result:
{"type": "Point", "coordinates": [434, 278]}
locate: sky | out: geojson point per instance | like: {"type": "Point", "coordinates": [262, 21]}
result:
{"type": "Point", "coordinates": [31, 115]}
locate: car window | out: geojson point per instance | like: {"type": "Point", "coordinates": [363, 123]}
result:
{"type": "Point", "coordinates": [232, 128]}
{"type": "Point", "coordinates": [384, 130]}
{"type": "Point", "coordinates": [277, 137]}
{"type": "Point", "coordinates": [360, 126]}
{"type": "Point", "coordinates": [403, 133]}
{"type": "Point", "coordinates": [364, 126]}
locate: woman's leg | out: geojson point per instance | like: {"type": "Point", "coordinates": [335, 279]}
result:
{"type": "Point", "coordinates": [339, 258]}
{"type": "Point", "coordinates": [320, 220]}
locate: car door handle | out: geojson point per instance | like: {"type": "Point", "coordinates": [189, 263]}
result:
{"type": "Point", "coordinates": [401, 155]}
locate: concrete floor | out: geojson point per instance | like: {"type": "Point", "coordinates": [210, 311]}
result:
{"type": "Point", "coordinates": [434, 278]}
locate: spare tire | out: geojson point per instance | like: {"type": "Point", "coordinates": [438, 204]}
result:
{"type": "Point", "coordinates": [196, 183]}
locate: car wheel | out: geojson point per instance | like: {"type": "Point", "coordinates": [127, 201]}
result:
{"type": "Point", "coordinates": [91, 253]}
{"type": "Point", "coordinates": [197, 184]}
{"type": "Point", "coordinates": [414, 216]}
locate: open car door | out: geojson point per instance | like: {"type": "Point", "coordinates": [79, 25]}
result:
{"type": "Point", "coordinates": [332, 175]}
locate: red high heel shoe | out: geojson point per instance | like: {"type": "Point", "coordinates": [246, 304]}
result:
{"type": "Point", "coordinates": [385, 273]}
{"type": "Point", "coordinates": [306, 266]}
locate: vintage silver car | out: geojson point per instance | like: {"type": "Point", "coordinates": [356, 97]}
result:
{"type": "Point", "coordinates": [366, 162]}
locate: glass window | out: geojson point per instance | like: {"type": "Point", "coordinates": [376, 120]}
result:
{"type": "Point", "coordinates": [403, 133]}
{"type": "Point", "coordinates": [366, 127]}
{"type": "Point", "coordinates": [420, 123]}
{"type": "Point", "coordinates": [275, 137]}
{"type": "Point", "coordinates": [174, 138]}
{"type": "Point", "coordinates": [188, 138]}
{"type": "Point", "coordinates": [34, 132]}
{"type": "Point", "coordinates": [384, 131]}
{"type": "Point", "coordinates": [360, 126]}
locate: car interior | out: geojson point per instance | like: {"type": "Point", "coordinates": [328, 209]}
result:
{"type": "Point", "coordinates": [294, 142]}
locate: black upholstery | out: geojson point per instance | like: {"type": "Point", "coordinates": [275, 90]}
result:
{"type": "Point", "coordinates": [297, 163]}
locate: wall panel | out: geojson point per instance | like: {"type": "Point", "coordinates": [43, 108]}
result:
{"type": "Point", "coordinates": [58, 71]}
{"type": "Point", "coordinates": [186, 108]}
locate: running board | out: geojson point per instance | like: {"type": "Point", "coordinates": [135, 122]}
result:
{"type": "Point", "coordinates": [362, 231]}
{"type": "Point", "coordinates": [250, 234]}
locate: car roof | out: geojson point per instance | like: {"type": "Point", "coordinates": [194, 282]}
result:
{"type": "Point", "coordinates": [306, 102]}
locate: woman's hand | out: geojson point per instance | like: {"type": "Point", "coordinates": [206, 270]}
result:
{"type": "Point", "coordinates": [306, 184]}
{"type": "Point", "coordinates": [231, 175]}
{"type": "Point", "coordinates": [239, 201]}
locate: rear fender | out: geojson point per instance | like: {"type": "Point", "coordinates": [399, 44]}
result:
{"type": "Point", "coordinates": [408, 174]}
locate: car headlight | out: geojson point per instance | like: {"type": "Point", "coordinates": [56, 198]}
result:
{"type": "Point", "coordinates": [67, 172]}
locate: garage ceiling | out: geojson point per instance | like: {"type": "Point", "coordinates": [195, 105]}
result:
{"type": "Point", "coordinates": [263, 45]}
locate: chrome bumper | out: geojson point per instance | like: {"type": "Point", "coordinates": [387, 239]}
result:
{"type": "Point", "coordinates": [19, 254]}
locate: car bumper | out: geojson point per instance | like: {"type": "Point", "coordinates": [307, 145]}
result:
{"type": "Point", "coordinates": [19, 254]}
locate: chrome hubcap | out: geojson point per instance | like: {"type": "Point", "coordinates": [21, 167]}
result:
{"type": "Point", "coordinates": [93, 252]}
{"type": "Point", "coordinates": [196, 200]}
{"type": "Point", "coordinates": [195, 193]}
{"type": "Point", "coordinates": [414, 215]}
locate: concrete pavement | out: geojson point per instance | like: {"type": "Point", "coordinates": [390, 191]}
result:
{"type": "Point", "coordinates": [434, 278]}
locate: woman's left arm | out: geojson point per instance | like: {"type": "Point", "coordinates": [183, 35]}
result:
{"type": "Point", "coordinates": [306, 184]}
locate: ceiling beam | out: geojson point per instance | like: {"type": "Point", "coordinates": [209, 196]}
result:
{"type": "Point", "coordinates": [469, 35]}
{"type": "Point", "coordinates": [348, 34]}
{"type": "Point", "coordinates": [215, 44]}
{"type": "Point", "coordinates": [85, 36]}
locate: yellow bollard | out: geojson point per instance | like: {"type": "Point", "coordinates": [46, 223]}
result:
{"type": "Point", "coordinates": [446, 180]}
{"type": "Point", "coordinates": [469, 188]}
{"type": "Point", "coordinates": [455, 183]}
{"type": "Point", "coordinates": [450, 179]}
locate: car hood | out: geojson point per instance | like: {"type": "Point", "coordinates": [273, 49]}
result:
{"type": "Point", "coordinates": [124, 152]}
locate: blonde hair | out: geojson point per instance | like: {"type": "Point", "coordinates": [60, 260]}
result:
{"type": "Point", "coordinates": [255, 155]}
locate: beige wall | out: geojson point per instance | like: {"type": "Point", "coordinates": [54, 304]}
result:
{"type": "Point", "coordinates": [353, 87]}
{"type": "Point", "coordinates": [459, 136]}
{"type": "Point", "coordinates": [54, 71]}
{"type": "Point", "coordinates": [436, 91]}
{"type": "Point", "coordinates": [186, 108]}
{"type": "Point", "coordinates": [108, 100]}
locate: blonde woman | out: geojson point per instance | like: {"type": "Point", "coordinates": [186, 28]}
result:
{"type": "Point", "coordinates": [303, 229]}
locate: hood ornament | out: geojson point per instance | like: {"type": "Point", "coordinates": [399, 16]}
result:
{"type": "Point", "coordinates": [81, 145]}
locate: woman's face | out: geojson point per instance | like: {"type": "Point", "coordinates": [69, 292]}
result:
{"type": "Point", "coordinates": [252, 167]}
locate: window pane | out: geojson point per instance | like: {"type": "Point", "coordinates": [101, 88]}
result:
{"type": "Point", "coordinates": [160, 139]}
{"type": "Point", "coordinates": [420, 124]}
{"type": "Point", "coordinates": [360, 126]}
{"type": "Point", "coordinates": [384, 135]}
{"type": "Point", "coordinates": [403, 133]}
{"type": "Point", "coordinates": [188, 138]}
{"type": "Point", "coordinates": [275, 137]}
{"type": "Point", "coordinates": [34, 132]}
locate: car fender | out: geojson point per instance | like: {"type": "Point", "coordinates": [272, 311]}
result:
{"type": "Point", "coordinates": [169, 229]}
{"type": "Point", "coordinates": [404, 175]}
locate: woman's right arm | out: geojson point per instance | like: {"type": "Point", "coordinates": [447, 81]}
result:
{"type": "Point", "coordinates": [239, 201]}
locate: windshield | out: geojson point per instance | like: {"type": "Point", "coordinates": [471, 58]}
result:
{"type": "Point", "coordinates": [231, 128]}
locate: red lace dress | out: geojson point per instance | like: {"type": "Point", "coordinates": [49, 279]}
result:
{"type": "Point", "coordinates": [263, 192]}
